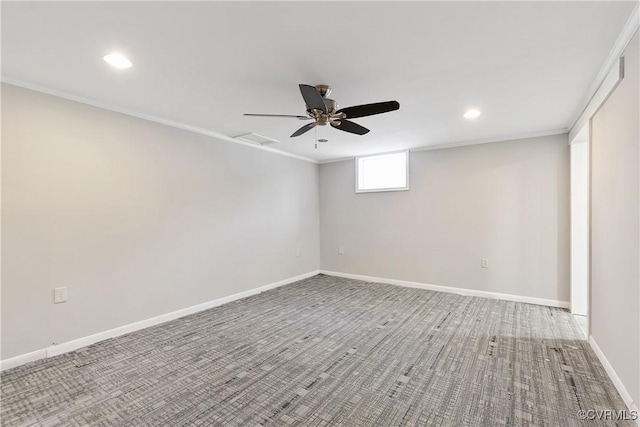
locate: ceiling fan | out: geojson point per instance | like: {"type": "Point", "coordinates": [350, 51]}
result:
{"type": "Point", "coordinates": [323, 111]}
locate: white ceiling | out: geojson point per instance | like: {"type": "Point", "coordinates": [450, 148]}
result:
{"type": "Point", "coordinates": [526, 65]}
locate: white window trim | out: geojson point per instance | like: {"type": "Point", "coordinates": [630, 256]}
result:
{"type": "Point", "coordinates": [380, 190]}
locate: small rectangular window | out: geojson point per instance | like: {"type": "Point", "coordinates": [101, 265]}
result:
{"type": "Point", "coordinates": [383, 172]}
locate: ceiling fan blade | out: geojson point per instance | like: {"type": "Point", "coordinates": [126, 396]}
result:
{"type": "Point", "coordinates": [369, 109]}
{"type": "Point", "coordinates": [278, 115]}
{"type": "Point", "coordinates": [304, 129]}
{"type": "Point", "coordinates": [312, 98]}
{"type": "Point", "coordinates": [349, 126]}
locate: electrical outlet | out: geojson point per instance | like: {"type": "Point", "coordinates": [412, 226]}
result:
{"type": "Point", "coordinates": [341, 250]}
{"type": "Point", "coordinates": [298, 251]}
{"type": "Point", "coordinates": [484, 263]}
{"type": "Point", "coordinates": [60, 295]}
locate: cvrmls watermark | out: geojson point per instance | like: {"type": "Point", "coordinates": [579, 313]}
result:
{"type": "Point", "coordinates": [608, 415]}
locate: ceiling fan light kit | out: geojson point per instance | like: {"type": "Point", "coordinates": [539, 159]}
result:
{"type": "Point", "coordinates": [324, 111]}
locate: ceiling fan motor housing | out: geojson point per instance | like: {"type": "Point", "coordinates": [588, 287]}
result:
{"type": "Point", "coordinates": [332, 105]}
{"type": "Point", "coordinates": [321, 117]}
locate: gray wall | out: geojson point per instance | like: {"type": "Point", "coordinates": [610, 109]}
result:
{"type": "Point", "coordinates": [505, 201]}
{"type": "Point", "coordinates": [137, 219]}
{"type": "Point", "coordinates": [615, 216]}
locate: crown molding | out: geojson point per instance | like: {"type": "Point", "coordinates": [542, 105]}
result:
{"type": "Point", "coordinates": [513, 137]}
{"type": "Point", "coordinates": [150, 117]}
{"type": "Point", "coordinates": [466, 143]}
{"type": "Point", "coordinates": [625, 36]}
{"type": "Point", "coordinates": [220, 136]}
{"type": "Point", "coordinates": [339, 159]}
{"type": "Point", "coordinates": [607, 87]}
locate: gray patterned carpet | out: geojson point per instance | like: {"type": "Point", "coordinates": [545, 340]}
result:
{"type": "Point", "coordinates": [327, 352]}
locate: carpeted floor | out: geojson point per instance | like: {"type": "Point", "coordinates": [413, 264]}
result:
{"type": "Point", "coordinates": [327, 352]}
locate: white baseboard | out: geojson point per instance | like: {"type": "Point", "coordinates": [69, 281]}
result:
{"type": "Point", "coordinates": [628, 400]}
{"type": "Point", "coordinates": [23, 358]}
{"type": "Point", "coordinates": [459, 291]}
{"type": "Point", "coordinates": [68, 346]}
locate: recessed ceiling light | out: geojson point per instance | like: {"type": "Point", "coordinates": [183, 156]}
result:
{"type": "Point", "coordinates": [117, 60]}
{"type": "Point", "coordinates": [471, 114]}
